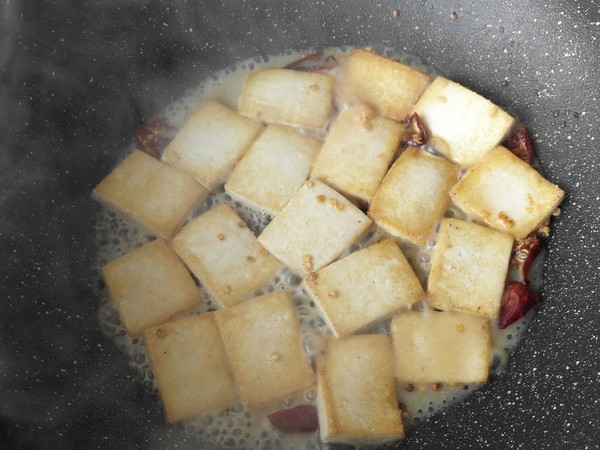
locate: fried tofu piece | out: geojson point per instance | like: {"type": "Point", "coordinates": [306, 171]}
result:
{"type": "Point", "coordinates": [224, 254]}
{"type": "Point", "coordinates": [289, 97]}
{"type": "Point", "coordinates": [413, 196]}
{"type": "Point", "coordinates": [149, 286]}
{"type": "Point", "coordinates": [392, 88]}
{"type": "Point", "coordinates": [263, 341]}
{"type": "Point", "coordinates": [314, 228]}
{"type": "Point", "coordinates": [468, 124]}
{"type": "Point", "coordinates": [154, 195]}
{"type": "Point", "coordinates": [506, 193]}
{"type": "Point", "coordinates": [357, 401]}
{"type": "Point", "coordinates": [441, 347]}
{"type": "Point", "coordinates": [357, 152]}
{"type": "Point", "coordinates": [190, 366]}
{"type": "Point", "coordinates": [365, 287]}
{"type": "Point", "coordinates": [210, 143]}
{"type": "Point", "coordinates": [469, 267]}
{"type": "Point", "coordinates": [273, 169]}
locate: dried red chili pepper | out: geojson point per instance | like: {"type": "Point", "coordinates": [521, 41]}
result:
{"type": "Point", "coordinates": [518, 300]}
{"type": "Point", "coordinates": [525, 253]}
{"type": "Point", "coordinates": [153, 136]}
{"type": "Point", "coordinates": [314, 62]}
{"type": "Point", "coordinates": [300, 418]}
{"type": "Point", "coordinates": [520, 144]}
{"type": "Point", "coordinates": [416, 134]}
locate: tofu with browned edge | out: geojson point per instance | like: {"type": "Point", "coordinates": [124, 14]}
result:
{"type": "Point", "coordinates": [414, 195]}
{"type": "Point", "coordinates": [469, 267]}
{"type": "Point", "coordinates": [365, 287]}
{"type": "Point", "coordinates": [263, 341]}
{"type": "Point", "coordinates": [149, 286]}
{"type": "Point", "coordinates": [190, 366]}
{"type": "Point", "coordinates": [288, 97]}
{"type": "Point", "coordinates": [224, 254]}
{"type": "Point", "coordinates": [154, 195]}
{"type": "Point", "coordinates": [391, 87]}
{"type": "Point", "coordinates": [357, 401]}
{"type": "Point", "coordinates": [441, 347]}
{"type": "Point", "coordinates": [357, 152]}
{"type": "Point", "coordinates": [211, 142]}
{"type": "Point", "coordinates": [314, 228]}
{"type": "Point", "coordinates": [506, 193]}
{"type": "Point", "coordinates": [465, 124]}
{"type": "Point", "coordinates": [273, 169]}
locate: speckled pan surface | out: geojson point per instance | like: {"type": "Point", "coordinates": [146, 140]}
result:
{"type": "Point", "coordinates": [76, 79]}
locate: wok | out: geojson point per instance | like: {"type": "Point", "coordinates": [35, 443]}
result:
{"type": "Point", "coordinates": [77, 77]}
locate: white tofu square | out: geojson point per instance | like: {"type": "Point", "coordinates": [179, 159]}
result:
{"type": "Point", "coordinates": [191, 368]}
{"type": "Point", "coordinates": [357, 152]}
{"type": "Point", "coordinates": [263, 341]}
{"type": "Point", "coordinates": [357, 401]}
{"type": "Point", "coordinates": [365, 287]}
{"type": "Point", "coordinates": [469, 267]}
{"type": "Point", "coordinates": [413, 196]}
{"type": "Point", "coordinates": [289, 97]}
{"type": "Point", "coordinates": [224, 254]}
{"type": "Point", "coordinates": [314, 228]}
{"type": "Point", "coordinates": [211, 142]}
{"type": "Point", "coordinates": [468, 124]}
{"type": "Point", "coordinates": [273, 169]}
{"type": "Point", "coordinates": [149, 286]}
{"type": "Point", "coordinates": [156, 196]}
{"type": "Point", "coordinates": [507, 193]}
{"type": "Point", "coordinates": [392, 88]}
{"type": "Point", "coordinates": [441, 347]}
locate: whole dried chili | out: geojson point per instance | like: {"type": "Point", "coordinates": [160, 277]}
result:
{"type": "Point", "coordinates": [520, 144]}
{"type": "Point", "coordinates": [518, 300]}
{"type": "Point", "coordinates": [314, 62]}
{"type": "Point", "coordinates": [525, 253]}
{"type": "Point", "coordinates": [300, 418]}
{"type": "Point", "coordinates": [152, 137]}
{"type": "Point", "coordinates": [416, 134]}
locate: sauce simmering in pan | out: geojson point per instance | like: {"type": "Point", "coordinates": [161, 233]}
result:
{"type": "Point", "coordinates": [237, 428]}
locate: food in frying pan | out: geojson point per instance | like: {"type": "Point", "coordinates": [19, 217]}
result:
{"type": "Point", "coordinates": [337, 242]}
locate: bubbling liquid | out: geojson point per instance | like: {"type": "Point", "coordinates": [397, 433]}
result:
{"type": "Point", "coordinates": [236, 427]}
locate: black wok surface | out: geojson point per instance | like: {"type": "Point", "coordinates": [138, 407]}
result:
{"type": "Point", "coordinates": [75, 79]}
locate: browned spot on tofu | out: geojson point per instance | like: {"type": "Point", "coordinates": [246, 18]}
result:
{"type": "Point", "coordinates": [505, 220]}
{"type": "Point", "coordinates": [275, 356]}
{"type": "Point", "coordinates": [227, 289]}
{"type": "Point", "coordinates": [312, 276]}
{"type": "Point", "coordinates": [309, 183]}
{"type": "Point", "coordinates": [313, 88]}
{"type": "Point", "coordinates": [250, 259]}
{"type": "Point", "coordinates": [264, 252]}
{"type": "Point", "coordinates": [221, 237]}
{"type": "Point", "coordinates": [437, 387]}
{"type": "Point", "coordinates": [339, 206]}
{"type": "Point", "coordinates": [409, 387]}
{"type": "Point", "coordinates": [332, 293]}
{"type": "Point", "coordinates": [161, 332]}
{"type": "Point", "coordinates": [460, 328]}
{"type": "Point", "coordinates": [366, 118]}
{"type": "Point", "coordinates": [307, 263]}
{"type": "Point", "coordinates": [241, 224]}
{"type": "Point", "coordinates": [320, 198]}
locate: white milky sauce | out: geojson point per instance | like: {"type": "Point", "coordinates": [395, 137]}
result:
{"type": "Point", "coordinates": [237, 428]}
